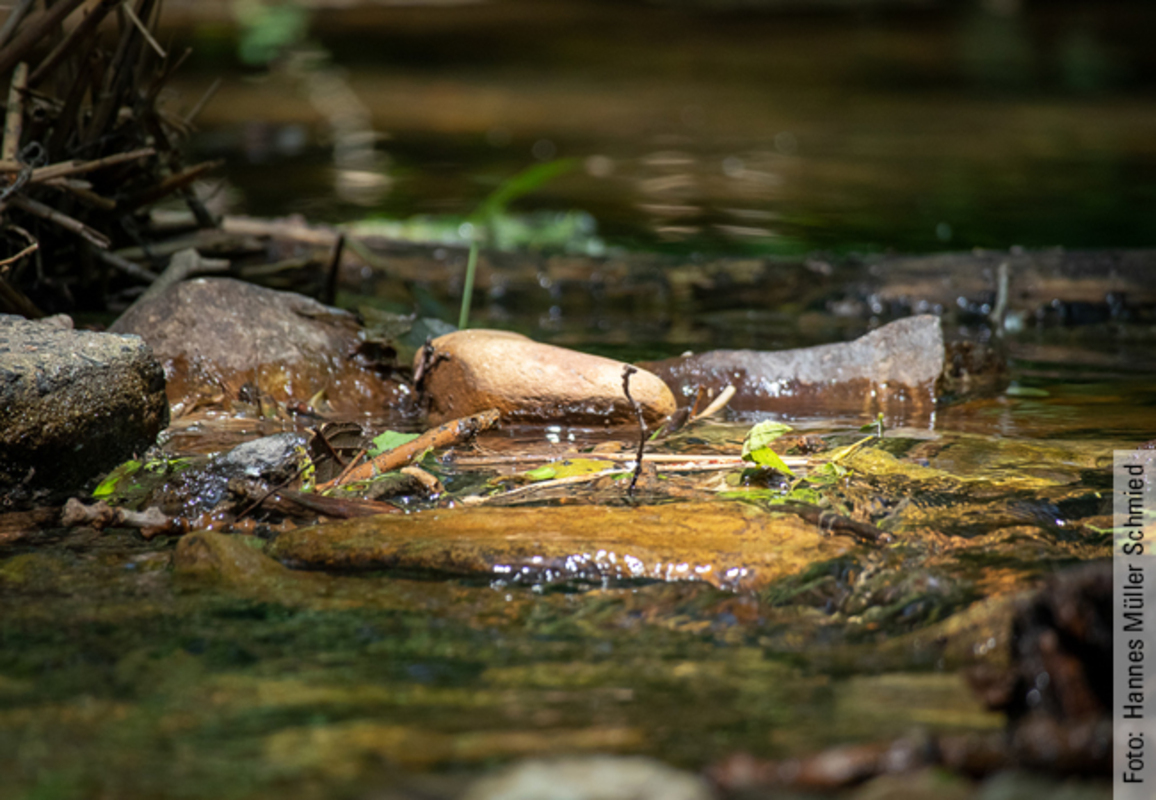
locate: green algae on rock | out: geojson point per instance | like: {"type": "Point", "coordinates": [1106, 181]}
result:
{"type": "Point", "coordinates": [727, 545]}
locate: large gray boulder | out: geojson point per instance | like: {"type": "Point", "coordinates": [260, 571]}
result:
{"type": "Point", "coordinates": [73, 404]}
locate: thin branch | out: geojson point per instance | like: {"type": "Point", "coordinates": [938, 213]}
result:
{"type": "Point", "coordinates": [62, 220]}
{"type": "Point", "coordinates": [14, 18]}
{"type": "Point", "coordinates": [124, 265]}
{"type": "Point", "coordinates": [83, 191]}
{"type": "Point", "coordinates": [14, 119]}
{"type": "Point", "coordinates": [169, 185]}
{"type": "Point", "coordinates": [35, 32]}
{"type": "Point", "coordinates": [32, 248]}
{"type": "Point", "coordinates": [551, 484]}
{"type": "Point", "coordinates": [67, 45]}
{"type": "Point", "coordinates": [204, 101]}
{"type": "Point", "coordinates": [729, 462]}
{"type": "Point", "coordinates": [446, 435]}
{"type": "Point", "coordinates": [144, 31]}
{"type": "Point", "coordinates": [716, 405]}
{"type": "Point", "coordinates": [626, 373]}
{"type": "Point", "coordinates": [64, 169]}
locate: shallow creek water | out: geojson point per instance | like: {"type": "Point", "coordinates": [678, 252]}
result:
{"type": "Point", "coordinates": [129, 671]}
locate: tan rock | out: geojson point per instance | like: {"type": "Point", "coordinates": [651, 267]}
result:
{"type": "Point", "coordinates": [532, 382]}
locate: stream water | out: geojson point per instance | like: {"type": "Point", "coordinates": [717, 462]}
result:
{"type": "Point", "coordinates": [129, 671]}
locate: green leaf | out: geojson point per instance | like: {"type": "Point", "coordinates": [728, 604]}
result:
{"type": "Point", "coordinates": [826, 474]}
{"type": "Point", "coordinates": [389, 440]}
{"type": "Point", "coordinates": [109, 485]}
{"type": "Point", "coordinates": [802, 494]}
{"type": "Point", "coordinates": [756, 446]}
{"type": "Point", "coordinates": [762, 435]}
{"type": "Point", "coordinates": [875, 426]}
{"type": "Point", "coordinates": [766, 457]}
{"type": "Point", "coordinates": [543, 473]}
{"type": "Point", "coordinates": [525, 182]}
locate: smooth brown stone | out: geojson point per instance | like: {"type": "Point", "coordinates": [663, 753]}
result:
{"type": "Point", "coordinates": [532, 382]}
{"type": "Point", "coordinates": [729, 545]}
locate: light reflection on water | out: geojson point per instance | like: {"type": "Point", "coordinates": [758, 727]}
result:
{"type": "Point", "coordinates": [914, 131]}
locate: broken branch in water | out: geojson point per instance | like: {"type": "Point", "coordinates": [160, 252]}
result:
{"type": "Point", "coordinates": [102, 515]}
{"type": "Point", "coordinates": [454, 432]}
{"type": "Point", "coordinates": [831, 522]}
{"type": "Point", "coordinates": [715, 406]}
{"type": "Point", "coordinates": [699, 410]}
{"type": "Point", "coordinates": [626, 373]}
{"type": "Point", "coordinates": [703, 461]}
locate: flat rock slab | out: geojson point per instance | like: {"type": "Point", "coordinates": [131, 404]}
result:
{"type": "Point", "coordinates": [73, 404]}
{"type": "Point", "coordinates": [729, 545]}
{"type": "Point", "coordinates": [216, 335]}
{"type": "Point", "coordinates": [893, 370]}
{"type": "Point", "coordinates": [532, 382]}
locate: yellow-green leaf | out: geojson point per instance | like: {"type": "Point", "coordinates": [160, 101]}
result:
{"type": "Point", "coordinates": [766, 457]}
{"type": "Point", "coordinates": [568, 469]}
{"type": "Point", "coordinates": [388, 440]}
{"type": "Point", "coordinates": [762, 435]}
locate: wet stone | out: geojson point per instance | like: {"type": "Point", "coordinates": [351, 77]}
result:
{"type": "Point", "coordinates": [893, 370]}
{"type": "Point", "coordinates": [532, 382]}
{"type": "Point", "coordinates": [220, 338]}
{"type": "Point", "coordinates": [73, 403]}
{"type": "Point", "coordinates": [729, 545]}
{"type": "Point", "coordinates": [201, 488]}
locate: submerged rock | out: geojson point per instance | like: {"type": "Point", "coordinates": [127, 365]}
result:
{"type": "Point", "coordinates": [894, 369]}
{"type": "Point", "coordinates": [532, 382]}
{"type": "Point", "coordinates": [73, 403]}
{"type": "Point", "coordinates": [590, 778]}
{"type": "Point", "coordinates": [220, 339]}
{"type": "Point", "coordinates": [339, 749]}
{"type": "Point", "coordinates": [216, 557]}
{"type": "Point", "coordinates": [727, 545]}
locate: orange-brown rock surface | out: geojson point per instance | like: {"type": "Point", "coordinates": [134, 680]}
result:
{"type": "Point", "coordinates": [532, 382]}
{"type": "Point", "coordinates": [730, 545]}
